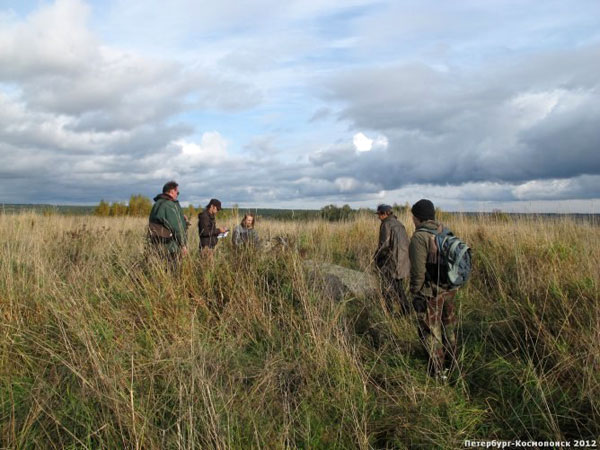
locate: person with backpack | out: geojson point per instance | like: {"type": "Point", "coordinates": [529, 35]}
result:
{"type": "Point", "coordinates": [391, 259]}
{"type": "Point", "coordinates": [440, 263]}
{"type": "Point", "coordinates": [167, 226]}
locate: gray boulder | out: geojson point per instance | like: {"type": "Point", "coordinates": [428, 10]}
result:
{"type": "Point", "coordinates": [339, 282]}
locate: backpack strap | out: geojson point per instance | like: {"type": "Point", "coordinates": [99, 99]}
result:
{"type": "Point", "coordinates": [438, 230]}
{"type": "Point", "coordinates": [433, 250]}
{"type": "Point", "coordinates": [427, 230]}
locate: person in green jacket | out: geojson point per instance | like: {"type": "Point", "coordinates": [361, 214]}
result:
{"type": "Point", "coordinates": [168, 225]}
{"type": "Point", "coordinates": [433, 303]}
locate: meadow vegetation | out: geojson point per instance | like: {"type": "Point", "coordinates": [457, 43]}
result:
{"type": "Point", "coordinates": [100, 347]}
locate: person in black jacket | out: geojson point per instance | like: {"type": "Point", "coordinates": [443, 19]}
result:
{"type": "Point", "coordinates": [207, 226]}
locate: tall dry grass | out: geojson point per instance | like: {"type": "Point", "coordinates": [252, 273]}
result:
{"type": "Point", "coordinates": [100, 347]}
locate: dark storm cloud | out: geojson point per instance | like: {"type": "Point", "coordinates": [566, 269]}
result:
{"type": "Point", "coordinates": [535, 121]}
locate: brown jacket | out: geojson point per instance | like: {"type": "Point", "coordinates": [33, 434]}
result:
{"type": "Point", "coordinates": [391, 257]}
{"type": "Point", "coordinates": [419, 249]}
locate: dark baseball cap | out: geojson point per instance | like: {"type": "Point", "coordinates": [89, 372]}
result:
{"type": "Point", "coordinates": [383, 208]}
{"type": "Point", "coordinates": [214, 201]}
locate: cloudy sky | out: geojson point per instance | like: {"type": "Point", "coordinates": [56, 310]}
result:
{"type": "Point", "coordinates": [474, 104]}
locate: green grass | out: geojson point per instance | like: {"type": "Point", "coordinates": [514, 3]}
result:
{"type": "Point", "coordinates": [102, 348]}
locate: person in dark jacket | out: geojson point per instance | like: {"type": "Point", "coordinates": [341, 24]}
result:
{"type": "Point", "coordinates": [433, 303]}
{"type": "Point", "coordinates": [391, 259]}
{"type": "Point", "coordinates": [207, 226]}
{"type": "Point", "coordinates": [245, 234]}
{"type": "Point", "coordinates": [167, 226]}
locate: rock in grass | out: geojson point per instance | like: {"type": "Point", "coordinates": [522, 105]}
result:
{"type": "Point", "coordinates": [340, 282]}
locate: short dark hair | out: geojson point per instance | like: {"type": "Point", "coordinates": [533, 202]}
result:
{"type": "Point", "coordinates": [169, 185]}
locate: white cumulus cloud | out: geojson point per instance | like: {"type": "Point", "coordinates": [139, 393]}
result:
{"type": "Point", "coordinates": [211, 150]}
{"type": "Point", "coordinates": [362, 143]}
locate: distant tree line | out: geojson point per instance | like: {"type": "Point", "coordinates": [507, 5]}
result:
{"type": "Point", "coordinates": [334, 213]}
{"type": "Point", "coordinates": [140, 206]}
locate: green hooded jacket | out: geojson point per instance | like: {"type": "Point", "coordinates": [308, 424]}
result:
{"type": "Point", "coordinates": [418, 252]}
{"type": "Point", "coordinates": [168, 213]}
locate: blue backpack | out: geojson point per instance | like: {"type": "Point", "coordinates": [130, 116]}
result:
{"type": "Point", "coordinates": [449, 259]}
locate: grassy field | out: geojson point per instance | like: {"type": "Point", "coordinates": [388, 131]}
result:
{"type": "Point", "coordinates": [101, 348]}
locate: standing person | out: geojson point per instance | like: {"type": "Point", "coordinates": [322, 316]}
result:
{"type": "Point", "coordinates": [167, 226]}
{"type": "Point", "coordinates": [391, 259]}
{"type": "Point", "coordinates": [207, 226]}
{"type": "Point", "coordinates": [244, 233]}
{"type": "Point", "coordinates": [433, 303]}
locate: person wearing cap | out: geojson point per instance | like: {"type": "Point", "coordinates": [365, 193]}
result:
{"type": "Point", "coordinates": [207, 226]}
{"type": "Point", "coordinates": [434, 305]}
{"type": "Point", "coordinates": [391, 259]}
{"type": "Point", "coordinates": [167, 226]}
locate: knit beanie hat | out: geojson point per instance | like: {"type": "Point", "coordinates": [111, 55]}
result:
{"type": "Point", "coordinates": [423, 210]}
